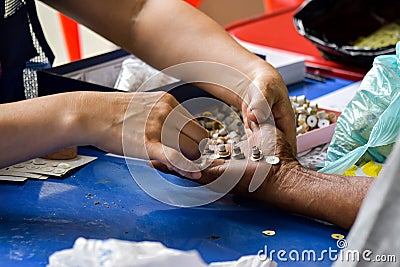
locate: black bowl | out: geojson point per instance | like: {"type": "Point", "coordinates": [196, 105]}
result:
{"type": "Point", "coordinates": [333, 25]}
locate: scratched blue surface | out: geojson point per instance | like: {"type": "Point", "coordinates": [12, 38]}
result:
{"type": "Point", "coordinates": [38, 218]}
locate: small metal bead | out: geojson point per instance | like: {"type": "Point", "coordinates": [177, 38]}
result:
{"type": "Point", "coordinates": [300, 110]}
{"type": "Point", "coordinates": [255, 150]}
{"type": "Point", "coordinates": [323, 123]}
{"type": "Point", "coordinates": [222, 132]}
{"type": "Point", "coordinates": [221, 148]}
{"type": "Point", "coordinates": [331, 117]}
{"type": "Point", "coordinates": [237, 152]}
{"type": "Point", "coordinates": [321, 114]}
{"type": "Point", "coordinates": [222, 151]}
{"type": "Point", "coordinates": [312, 121]}
{"type": "Point", "coordinates": [256, 154]}
{"type": "Point", "coordinates": [301, 99]}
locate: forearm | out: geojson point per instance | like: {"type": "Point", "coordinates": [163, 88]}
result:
{"type": "Point", "coordinates": [180, 33]}
{"type": "Point", "coordinates": [165, 33]}
{"type": "Point", "coordinates": [332, 198]}
{"type": "Point", "coordinates": [36, 127]}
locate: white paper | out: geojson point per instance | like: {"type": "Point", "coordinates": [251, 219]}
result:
{"type": "Point", "coordinates": [113, 252]}
{"type": "Point", "coordinates": [338, 100]}
{"type": "Point", "coordinates": [12, 178]}
{"type": "Point", "coordinates": [47, 167]}
{"type": "Point", "coordinates": [4, 172]}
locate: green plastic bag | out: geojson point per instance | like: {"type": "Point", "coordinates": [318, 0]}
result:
{"type": "Point", "coordinates": [370, 124]}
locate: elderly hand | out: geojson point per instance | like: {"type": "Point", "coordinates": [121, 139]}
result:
{"type": "Point", "coordinates": [288, 185]}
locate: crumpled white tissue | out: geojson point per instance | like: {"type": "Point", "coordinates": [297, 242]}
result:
{"type": "Point", "coordinates": [113, 252]}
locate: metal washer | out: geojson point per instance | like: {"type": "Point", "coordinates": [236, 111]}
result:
{"type": "Point", "coordinates": [273, 160]}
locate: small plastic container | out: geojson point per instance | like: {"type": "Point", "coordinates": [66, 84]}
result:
{"type": "Point", "coordinates": [318, 136]}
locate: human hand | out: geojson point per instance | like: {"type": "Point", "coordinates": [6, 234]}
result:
{"type": "Point", "coordinates": [267, 93]}
{"type": "Point", "coordinates": [147, 125]}
{"type": "Point", "coordinates": [288, 185]}
{"type": "Point", "coordinates": [257, 179]}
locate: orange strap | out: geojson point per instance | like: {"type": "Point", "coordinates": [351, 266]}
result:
{"type": "Point", "coordinates": [71, 35]}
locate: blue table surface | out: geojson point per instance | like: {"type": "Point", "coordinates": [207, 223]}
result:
{"type": "Point", "coordinates": [39, 217]}
{"type": "Point", "coordinates": [313, 89]}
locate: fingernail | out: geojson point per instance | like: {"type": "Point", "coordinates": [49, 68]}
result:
{"type": "Point", "coordinates": [260, 115]}
{"type": "Point", "coordinates": [196, 175]}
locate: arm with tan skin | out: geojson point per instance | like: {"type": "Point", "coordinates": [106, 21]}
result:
{"type": "Point", "coordinates": [169, 32]}
{"type": "Point", "coordinates": [38, 126]}
{"type": "Point", "coordinates": [290, 186]}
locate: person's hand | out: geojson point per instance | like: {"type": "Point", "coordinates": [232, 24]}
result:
{"type": "Point", "coordinates": [269, 179]}
{"type": "Point", "coordinates": [269, 88]}
{"type": "Point", "coordinates": [258, 179]}
{"type": "Point", "coordinates": [147, 125]}
{"type": "Point", "coordinates": [288, 185]}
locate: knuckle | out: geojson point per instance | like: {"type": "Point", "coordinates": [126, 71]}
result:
{"type": "Point", "coordinates": [160, 112]}
{"type": "Point", "coordinates": [219, 170]}
{"type": "Point", "coordinates": [168, 98]}
{"type": "Point", "coordinates": [164, 108]}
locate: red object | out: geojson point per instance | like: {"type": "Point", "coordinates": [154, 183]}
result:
{"type": "Point", "coordinates": [272, 6]}
{"type": "Point", "coordinates": [194, 3]}
{"type": "Point", "coordinates": [71, 35]}
{"type": "Point", "coordinates": [277, 31]}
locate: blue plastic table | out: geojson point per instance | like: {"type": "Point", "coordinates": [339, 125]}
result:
{"type": "Point", "coordinates": [101, 200]}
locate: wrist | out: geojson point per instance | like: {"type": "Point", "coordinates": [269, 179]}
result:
{"type": "Point", "coordinates": [76, 120]}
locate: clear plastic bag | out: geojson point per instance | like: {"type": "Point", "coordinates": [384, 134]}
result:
{"type": "Point", "coordinates": [134, 73]}
{"type": "Point", "coordinates": [370, 124]}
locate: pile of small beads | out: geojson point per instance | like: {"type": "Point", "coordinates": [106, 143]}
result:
{"type": "Point", "coordinates": [308, 116]}
{"type": "Point", "coordinates": [224, 125]}
{"type": "Point", "coordinates": [226, 130]}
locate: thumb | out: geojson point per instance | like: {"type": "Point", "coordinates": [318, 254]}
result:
{"type": "Point", "coordinates": [175, 161]}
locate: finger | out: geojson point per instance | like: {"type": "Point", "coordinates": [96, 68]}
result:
{"type": "Point", "coordinates": [180, 120]}
{"type": "Point", "coordinates": [174, 160]}
{"type": "Point", "coordinates": [185, 121]}
{"type": "Point", "coordinates": [285, 121]}
{"type": "Point", "coordinates": [188, 124]}
{"type": "Point", "coordinates": [245, 119]}
{"type": "Point", "coordinates": [163, 168]}
{"type": "Point", "coordinates": [216, 168]}
{"type": "Point", "coordinates": [282, 113]}
{"type": "Point", "coordinates": [214, 171]}
{"type": "Point", "coordinates": [254, 126]}
{"type": "Point", "coordinates": [159, 166]}
{"type": "Point", "coordinates": [219, 167]}
{"type": "Point", "coordinates": [259, 107]}
{"type": "Point", "coordinates": [195, 131]}
{"type": "Point", "coordinates": [188, 147]}
{"type": "Point", "coordinates": [171, 137]}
